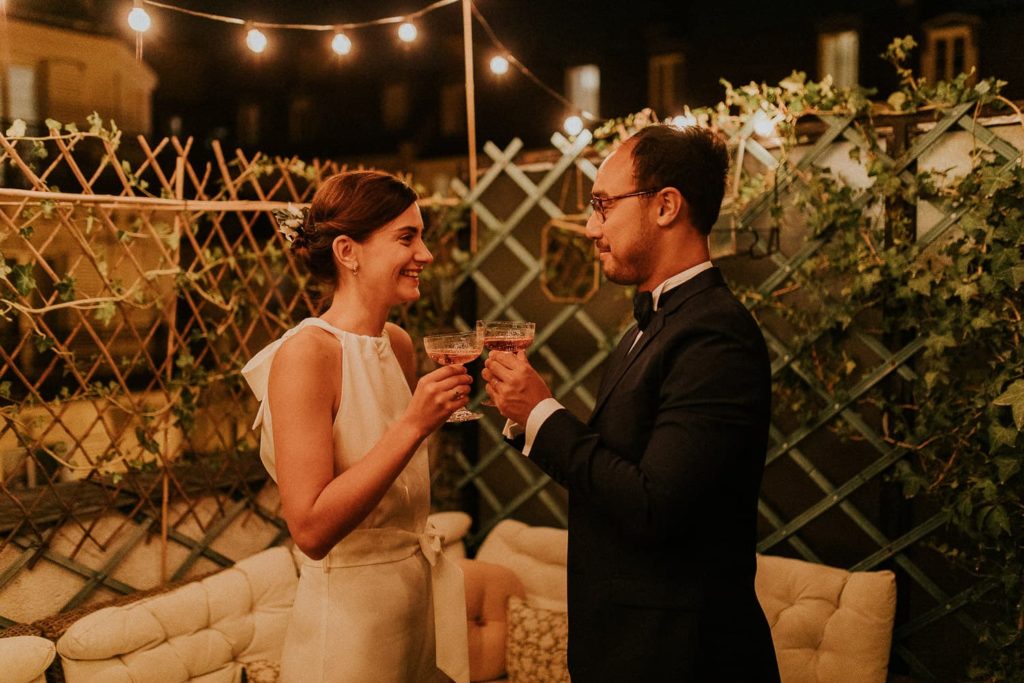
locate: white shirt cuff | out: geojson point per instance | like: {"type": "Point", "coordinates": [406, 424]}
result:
{"type": "Point", "coordinates": [540, 413]}
{"type": "Point", "coordinates": [512, 429]}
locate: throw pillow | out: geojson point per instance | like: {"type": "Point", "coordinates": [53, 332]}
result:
{"type": "Point", "coordinates": [261, 671]}
{"type": "Point", "coordinates": [536, 645]}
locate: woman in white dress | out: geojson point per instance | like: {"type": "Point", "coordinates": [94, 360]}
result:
{"type": "Point", "coordinates": [343, 423]}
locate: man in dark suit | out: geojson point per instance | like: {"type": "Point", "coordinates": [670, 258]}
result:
{"type": "Point", "coordinates": [663, 478]}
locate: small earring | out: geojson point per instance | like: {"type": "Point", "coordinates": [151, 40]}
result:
{"type": "Point", "coordinates": [355, 269]}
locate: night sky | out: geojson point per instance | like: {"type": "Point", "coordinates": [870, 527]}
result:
{"type": "Point", "coordinates": [206, 73]}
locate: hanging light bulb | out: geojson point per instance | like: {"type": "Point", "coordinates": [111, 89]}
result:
{"type": "Point", "coordinates": [138, 19]}
{"type": "Point", "coordinates": [573, 125]}
{"type": "Point", "coordinates": [499, 65]}
{"type": "Point", "coordinates": [407, 32]}
{"type": "Point", "coordinates": [341, 44]}
{"type": "Point", "coordinates": [256, 40]}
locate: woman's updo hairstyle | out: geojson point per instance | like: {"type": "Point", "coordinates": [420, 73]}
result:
{"type": "Point", "coordinates": [355, 204]}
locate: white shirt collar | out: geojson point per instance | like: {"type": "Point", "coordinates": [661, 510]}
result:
{"type": "Point", "coordinates": [678, 279]}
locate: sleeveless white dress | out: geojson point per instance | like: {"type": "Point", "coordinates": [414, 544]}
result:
{"type": "Point", "coordinates": [385, 605]}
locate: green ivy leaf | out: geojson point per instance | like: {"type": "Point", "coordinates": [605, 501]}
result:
{"type": "Point", "coordinates": [66, 288]}
{"type": "Point", "coordinates": [105, 312]}
{"type": "Point", "coordinates": [1014, 397]}
{"type": "Point", "coordinates": [43, 343]}
{"type": "Point", "coordinates": [22, 278]}
{"type": "Point", "coordinates": [172, 240]}
{"type": "Point", "coordinates": [997, 522]}
{"type": "Point", "coordinates": [5, 390]}
{"type": "Point", "coordinates": [1000, 436]}
{"type": "Point", "coordinates": [937, 342]}
{"type": "Point", "coordinates": [966, 290]}
{"type": "Point", "coordinates": [95, 123]}
{"type": "Point", "coordinates": [147, 442]}
{"type": "Point", "coordinates": [1018, 276]}
{"type": "Point", "coordinates": [184, 359]}
{"type": "Point", "coordinates": [53, 125]}
{"type": "Point", "coordinates": [1007, 467]}
{"type": "Point", "coordinates": [17, 130]}
{"type": "Point", "coordinates": [922, 284]}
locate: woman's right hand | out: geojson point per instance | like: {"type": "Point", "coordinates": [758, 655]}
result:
{"type": "Point", "coordinates": [438, 394]}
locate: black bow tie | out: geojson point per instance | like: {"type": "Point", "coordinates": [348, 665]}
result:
{"type": "Point", "coordinates": [643, 308]}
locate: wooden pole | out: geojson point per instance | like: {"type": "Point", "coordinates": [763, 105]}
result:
{"type": "Point", "coordinates": [467, 40]}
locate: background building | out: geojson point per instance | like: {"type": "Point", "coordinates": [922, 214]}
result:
{"type": "Point", "coordinates": [66, 69]}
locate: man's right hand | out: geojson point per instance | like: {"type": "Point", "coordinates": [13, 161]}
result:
{"type": "Point", "coordinates": [514, 385]}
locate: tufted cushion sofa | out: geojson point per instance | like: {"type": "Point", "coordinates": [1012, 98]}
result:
{"type": "Point", "coordinates": [220, 629]}
{"type": "Point", "coordinates": [25, 658]}
{"type": "Point", "coordinates": [828, 625]}
{"type": "Point", "coordinates": [203, 631]}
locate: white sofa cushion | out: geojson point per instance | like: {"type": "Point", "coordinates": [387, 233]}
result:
{"type": "Point", "coordinates": [199, 631]}
{"type": "Point", "coordinates": [828, 625]}
{"type": "Point", "coordinates": [536, 554]}
{"type": "Point", "coordinates": [24, 658]}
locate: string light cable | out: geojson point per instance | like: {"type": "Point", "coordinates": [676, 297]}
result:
{"type": "Point", "coordinates": [303, 27]}
{"type": "Point", "coordinates": [342, 44]}
{"type": "Point", "coordinates": [522, 68]}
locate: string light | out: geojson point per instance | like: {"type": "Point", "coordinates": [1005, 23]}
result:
{"type": "Point", "coordinates": [407, 32]}
{"type": "Point", "coordinates": [522, 67]}
{"type": "Point", "coordinates": [499, 65]}
{"type": "Point", "coordinates": [138, 19]}
{"type": "Point", "coordinates": [256, 40]}
{"type": "Point", "coordinates": [341, 44]}
{"type": "Point", "coordinates": [573, 125]}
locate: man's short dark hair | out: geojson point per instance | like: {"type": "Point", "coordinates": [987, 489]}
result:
{"type": "Point", "coordinates": [692, 159]}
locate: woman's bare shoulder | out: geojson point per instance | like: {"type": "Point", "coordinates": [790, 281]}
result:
{"type": "Point", "coordinates": [401, 344]}
{"type": "Point", "coordinates": [311, 350]}
{"type": "Point", "coordinates": [400, 339]}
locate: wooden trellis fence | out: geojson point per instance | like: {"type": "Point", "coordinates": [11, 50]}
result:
{"type": "Point", "coordinates": [136, 283]}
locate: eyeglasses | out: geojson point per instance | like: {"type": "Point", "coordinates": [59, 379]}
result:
{"type": "Point", "coordinates": [602, 204]}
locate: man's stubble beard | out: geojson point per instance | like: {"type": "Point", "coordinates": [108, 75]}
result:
{"type": "Point", "coordinates": [637, 265]}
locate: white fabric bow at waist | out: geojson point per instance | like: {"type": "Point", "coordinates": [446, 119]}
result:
{"type": "Point", "coordinates": [365, 547]}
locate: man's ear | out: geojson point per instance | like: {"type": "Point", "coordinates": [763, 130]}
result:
{"type": "Point", "coordinates": [346, 252]}
{"type": "Point", "coordinates": [671, 206]}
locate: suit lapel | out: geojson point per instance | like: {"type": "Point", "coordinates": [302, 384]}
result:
{"type": "Point", "coordinates": [624, 358]}
{"type": "Point", "coordinates": [615, 361]}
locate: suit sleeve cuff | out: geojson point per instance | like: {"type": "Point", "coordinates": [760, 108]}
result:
{"type": "Point", "coordinates": [538, 416]}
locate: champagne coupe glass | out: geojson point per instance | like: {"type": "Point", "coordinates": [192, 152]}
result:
{"type": "Point", "coordinates": [455, 349]}
{"type": "Point", "coordinates": [505, 335]}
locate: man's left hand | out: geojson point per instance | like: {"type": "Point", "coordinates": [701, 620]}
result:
{"type": "Point", "coordinates": [513, 385]}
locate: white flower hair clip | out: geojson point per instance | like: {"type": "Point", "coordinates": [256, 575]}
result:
{"type": "Point", "coordinates": [291, 222]}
